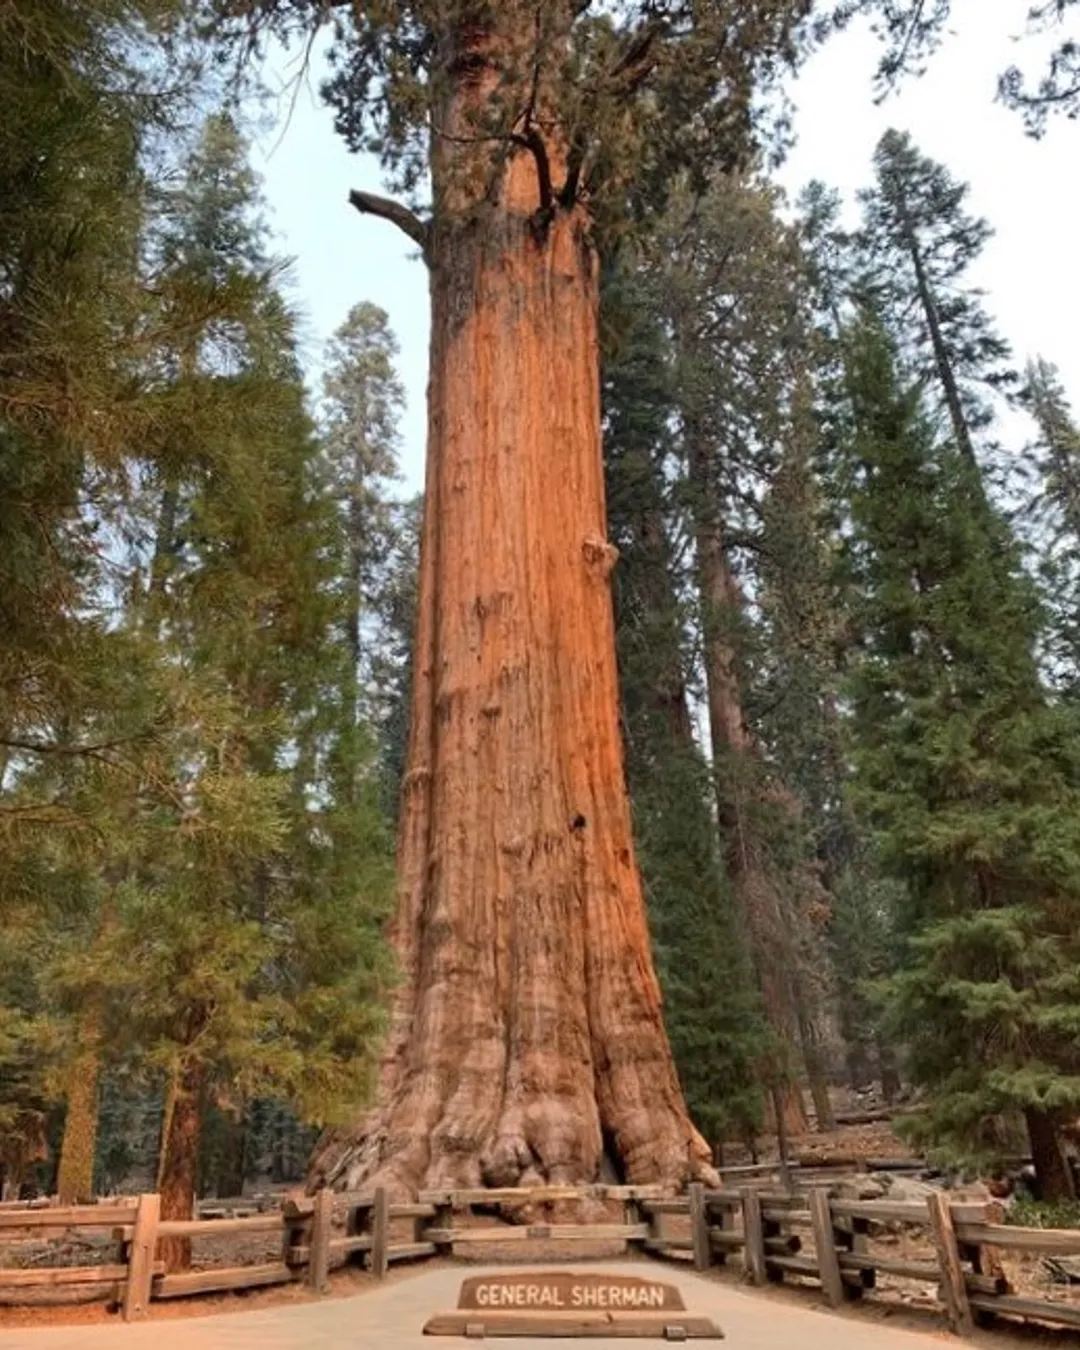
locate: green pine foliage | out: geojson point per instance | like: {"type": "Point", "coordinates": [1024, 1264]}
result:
{"type": "Point", "coordinates": [716, 1028]}
{"type": "Point", "coordinates": [967, 772]}
{"type": "Point", "coordinates": [197, 856]}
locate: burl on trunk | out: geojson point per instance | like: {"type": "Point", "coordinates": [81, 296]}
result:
{"type": "Point", "coordinates": [527, 1036]}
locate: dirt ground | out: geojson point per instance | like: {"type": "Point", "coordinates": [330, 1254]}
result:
{"type": "Point", "coordinates": [911, 1301]}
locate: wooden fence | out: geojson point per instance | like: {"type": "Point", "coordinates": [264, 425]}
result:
{"type": "Point", "coordinates": [766, 1228]}
{"type": "Point", "coordinates": [967, 1239]}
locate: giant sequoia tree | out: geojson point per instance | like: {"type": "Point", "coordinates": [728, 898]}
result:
{"type": "Point", "coordinates": [527, 1032]}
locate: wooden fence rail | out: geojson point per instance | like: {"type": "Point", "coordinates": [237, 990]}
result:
{"type": "Point", "coordinates": [769, 1228]}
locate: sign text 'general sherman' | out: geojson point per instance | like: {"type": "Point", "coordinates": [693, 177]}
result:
{"type": "Point", "coordinates": [565, 1291]}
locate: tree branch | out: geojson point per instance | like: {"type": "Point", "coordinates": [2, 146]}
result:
{"type": "Point", "coordinates": [368, 204]}
{"type": "Point", "coordinates": [534, 142]}
{"type": "Point", "coordinates": [58, 748]}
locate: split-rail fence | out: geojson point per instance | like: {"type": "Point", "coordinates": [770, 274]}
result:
{"type": "Point", "coordinates": [766, 1228]}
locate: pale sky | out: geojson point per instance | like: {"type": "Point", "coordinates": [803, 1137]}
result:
{"type": "Point", "coordinates": [1028, 190]}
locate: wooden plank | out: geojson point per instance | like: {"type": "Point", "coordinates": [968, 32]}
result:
{"type": "Point", "coordinates": [911, 1270]}
{"type": "Point", "coordinates": [503, 1195]}
{"type": "Point", "coordinates": [380, 1233]}
{"type": "Point", "coordinates": [140, 1270]}
{"type": "Point", "coordinates": [699, 1226]}
{"type": "Point", "coordinates": [1046, 1241]}
{"type": "Point", "coordinates": [412, 1211]}
{"type": "Point", "coordinates": [537, 1195]}
{"type": "Point", "coordinates": [726, 1240]}
{"type": "Point", "coordinates": [70, 1216]}
{"type": "Point", "coordinates": [555, 1232]}
{"type": "Point", "coordinates": [410, 1251]}
{"type": "Point", "coordinates": [795, 1265]}
{"type": "Point", "coordinates": [476, 1324]}
{"type": "Point", "coordinates": [231, 1277]}
{"type": "Point", "coordinates": [53, 1276]}
{"type": "Point", "coordinates": [63, 1295]}
{"type": "Point", "coordinates": [345, 1246]}
{"type": "Point", "coordinates": [772, 1213]}
{"type": "Point", "coordinates": [1030, 1309]}
{"type": "Point", "coordinates": [678, 1204]}
{"type": "Point", "coordinates": [754, 1237]}
{"type": "Point", "coordinates": [953, 1287]}
{"type": "Point", "coordinates": [321, 1233]}
{"type": "Point", "coordinates": [723, 1199]}
{"type": "Point", "coordinates": [825, 1246]}
{"type": "Point", "coordinates": [882, 1211]}
{"type": "Point", "coordinates": [672, 1249]}
{"type": "Point", "coordinates": [200, 1228]}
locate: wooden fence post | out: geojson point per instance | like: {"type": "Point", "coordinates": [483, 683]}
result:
{"type": "Point", "coordinates": [319, 1255]}
{"type": "Point", "coordinates": [141, 1257]}
{"type": "Point", "coordinates": [380, 1233]}
{"type": "Point", "coordinates": [444, 1221]}
{"type": "Point", "coordinates": [754, 1235]}
{"type": "Point", "coordinates": [699, 1226]}
{"type": "Point", "coordinates": [633, 1213]}
{"type": "Point", "coordinates": [953, 1285]}
{"type": "Point", "coordinates": [725, 1221]}
{"type": "Point", "coordinates": [825, 1245]}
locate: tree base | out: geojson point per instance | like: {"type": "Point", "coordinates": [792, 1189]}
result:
{"type": "Point", "coordinates": [545, 1144]}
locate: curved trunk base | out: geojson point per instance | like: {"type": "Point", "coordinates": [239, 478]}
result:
{"type": "Point", "coordinates": [495, 1144]}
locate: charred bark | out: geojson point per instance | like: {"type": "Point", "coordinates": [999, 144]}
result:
{"type": "Point", "coordinates": [527, 1026]}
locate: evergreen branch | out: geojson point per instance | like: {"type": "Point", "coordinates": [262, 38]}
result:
{"type": "Point", "coordinates": [367, 203]}
{"type": "Point", "coordinates": [54, 748]}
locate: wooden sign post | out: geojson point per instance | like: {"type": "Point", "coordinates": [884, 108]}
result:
{"type": "Point", "coordinates": [567, 1303]}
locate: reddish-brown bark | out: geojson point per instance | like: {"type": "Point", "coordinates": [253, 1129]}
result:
{"type": "Point", "coordinates": [738, 792]}
{"type": "Point", "coordinates": [178, 1170]}
{"type": "Point", "coordinates": [527, 1035]}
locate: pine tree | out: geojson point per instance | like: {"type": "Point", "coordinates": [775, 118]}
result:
{"type": "Point", "coordinates": [969, 775]}
{"type": "Point", "coordinates": [710, 1009]}
{"type": "Point", "coordinates": [916, 244]}
{"type": "Point", "coordinates": [730, 286]}
{"type": "Point", "coordinates": [1056, 513]}
{"type": "Point", "coordinates": [80, 101]}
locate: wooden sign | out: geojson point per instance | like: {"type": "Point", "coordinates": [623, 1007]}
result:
{"type": "Point", "coordinates": [565, 1291]}
{"type": "Point", "coordinates": [570, 1303]}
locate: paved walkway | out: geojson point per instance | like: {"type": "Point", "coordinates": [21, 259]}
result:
{"type": "Point", "coordinates": [391, 1316]}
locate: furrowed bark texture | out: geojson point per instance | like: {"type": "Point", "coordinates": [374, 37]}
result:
{"type": "Point", "coordinates": [178, 1172]}
{"type": "Point", "coordinates": [527, 1035]}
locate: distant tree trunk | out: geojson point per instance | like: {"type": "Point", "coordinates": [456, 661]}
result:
{"type": "Point", "coordinates": [942, 358]}
{"type": "Point", "coordinates": [1052, 1168]}
{"type": "Point", "coordinates": [527, 1025]}
{"type": "Point", "coordinates": [178, 1177]}
{"type": "Point", "coordinates": [75, 1177]}
{"type": "Point", "coordinates": [888, 1073]}
{"type": "Point", "coordinates": [815, 1072]}
{"type": "Point", "coordinates": [734, 767]}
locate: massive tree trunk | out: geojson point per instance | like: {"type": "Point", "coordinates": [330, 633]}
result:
{"type": "Point", "coordinates": [736, 777]}
{"type": "Point", "coordinates": [527, 1034]}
